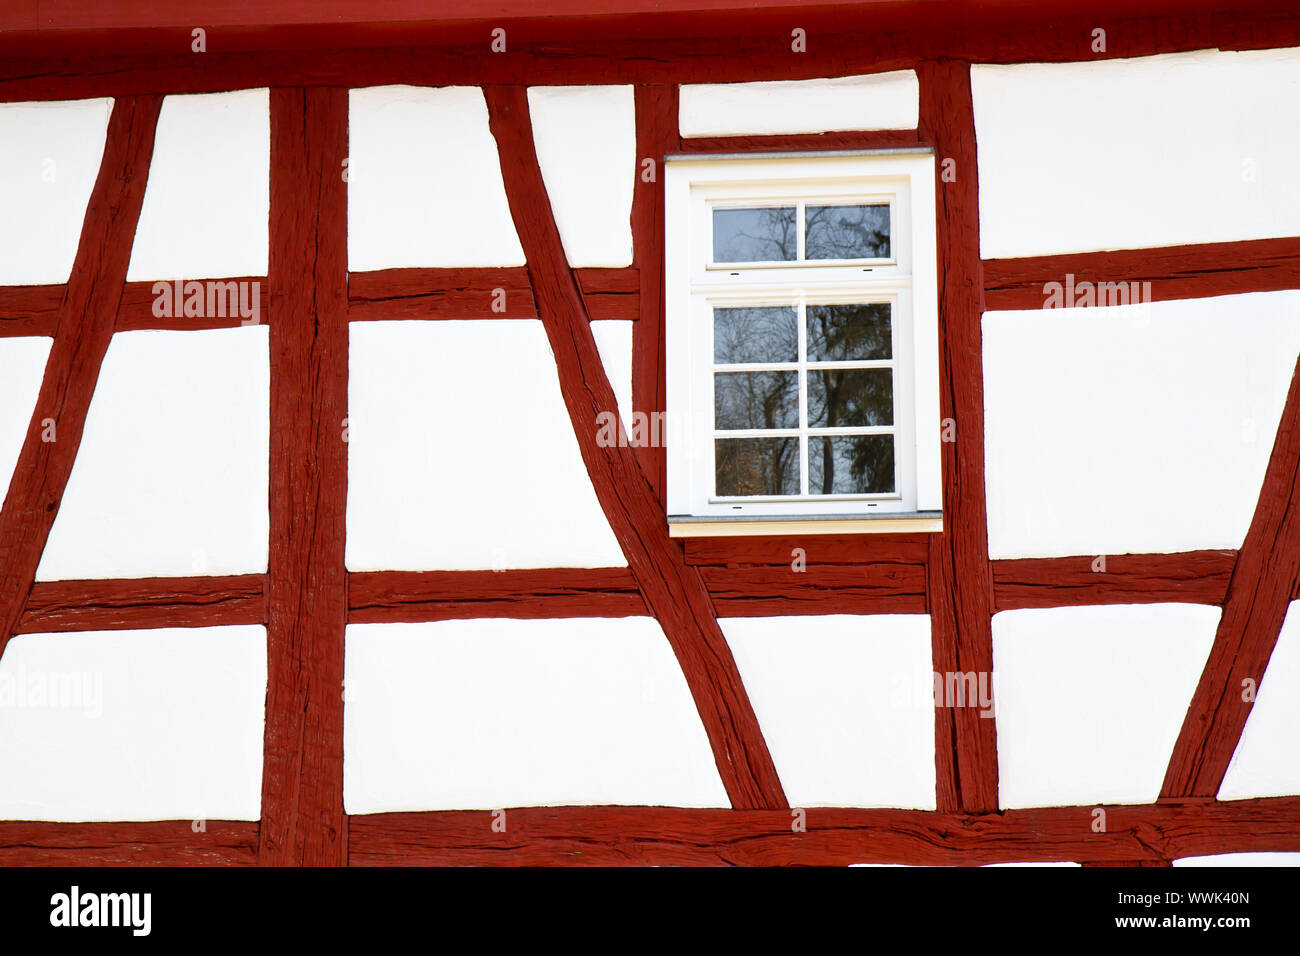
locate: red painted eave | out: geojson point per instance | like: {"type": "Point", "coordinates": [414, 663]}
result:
{"type": "Point", "coordinates": [35, 28]}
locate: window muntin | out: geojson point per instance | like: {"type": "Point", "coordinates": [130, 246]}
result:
{"type": "Point", "coordinates": [793, 338]}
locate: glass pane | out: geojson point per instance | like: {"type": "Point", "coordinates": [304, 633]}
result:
{"type": "Point", "coordinates": [756, 400]}
{"type": "Point", "coordinates": [850, 397]}
{"type": "Point", "coordinates": [851, 465]}
{"type": "Point", "coordinates": [757, 466]}
{"type": "Point", "coordinates": [755, 235]}
{"type": "Point", "coordinates": [845, 333]}
{"type": "Point", "coordinates": [763, 334]}
{"type": "Point", "coordinates": [847, 232]}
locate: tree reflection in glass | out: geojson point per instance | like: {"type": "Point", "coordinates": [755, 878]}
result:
{"type": "Point", "coordinates": [846, 232]}
{"type": "Point", "coordinates": [755, 235]}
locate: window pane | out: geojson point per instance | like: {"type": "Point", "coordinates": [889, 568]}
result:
{"type": "Point", "coordinates": [847, 232]}
{"type": "Point", "coordinates": [856, 397]}
{"type": "Point", "coordinates": [755, 235]}
{"type": "Point", "coordinates": [851, 465]}
{"type": "Point", "coordinates": [756, 399]}
{"type": "Point", "coordinates": [843, 333]}
{"type": "Point", "coordinates": [757, 466]}
{"type": "Point", "coordinates": [764, 334]}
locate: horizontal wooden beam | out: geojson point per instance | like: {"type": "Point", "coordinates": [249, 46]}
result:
{"type": "Point", "coordinates": [852, 139]}
{"type": "Point", "coordinates": [834, 589]}
{"type": "Point", "coordinates": [659, 836]}
{"type": "Point", "coordinates": [811, 550]}
{"type": "Point", "coordinates": [382, 597]}
{"type": "Point", "coordinates": [29, 309]}
{"type": "Point", "coordinates": [641, 55]}
{"type": "Point", "coordinates": [32, 309]}
{"type": "Point", "coordinates": [1192, 577]}
{"type": "Point", "coordinates": [1174, 272]}
{"type": "Point", "coordinates": [156, 843]}
{"type": "Point", "coordinates": [486, 293]}
{"type": "Point", "coordinates": [128, 603]}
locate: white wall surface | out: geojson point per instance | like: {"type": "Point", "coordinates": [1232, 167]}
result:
{"type": "Point", "coordinates": [1267, 761]}
{"type": "Point", "coordinates": [461, 454]}
{"type": "Point", "coordinates": [586, 147]}
{"type": "Point", "coordinates": [1133, 428]}
{"type": "Point", "coordinates": [845, 703]}
{"type": "Point", "coordinates": [424, 181]}
{"type": "Point", "coordinates": [133, 725]}
{"type": "Point", "coordinates": [49, 158]}
{"type": "Point", "coordinates": [208, 199]}
{"type": "Point", "coordinates": [1241, 859]}
{"type": "Point", "coordinates": [1090, 699]}
{"type": "Point", "coordinates": [487, 714]}
{"type": "Point", "coordinates": [876, 101]}
{"type": "Point", "coordinates": [22, 366]}
{"type": "Point", "coordinates": [171, 476]}
{"type": "Point", "coordinates": [1155, 151]}
{"type": "Point", "coordinates": [614, 342]}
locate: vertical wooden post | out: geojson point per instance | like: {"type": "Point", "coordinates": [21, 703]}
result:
{"type": "Point", "coordinates": [960, 576]}
{"type": "Point", "coordinates": [303, 822]}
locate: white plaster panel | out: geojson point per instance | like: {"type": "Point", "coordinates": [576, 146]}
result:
{"type": "Point", "coordinates": [875, 101]}
{"type": "Point", "coordinates": [1089, 700]}
{"type": "Point", "coordinates": [1154, 151]}
{"type": "Point", "coordinates": [207, 203]}
{"type": "Point", "coordinates": [160, 724]}
{"type": "Point", "coordinates": [845, 703]}
{"type": "Point", "coordinates": [171, 476]}
{"type": "Point", "coordinates": [424, 181]}
{"type": "Point", "coordinates": [1133, 428]}
{"type": "Point", "coordinates": [461, 454]}
{"type": "Point", "coordinates": [586, 147]}
{"type": "Point", "coordinates": [49, 158]}
{"type": "Point", "coordinates": [485, 714]}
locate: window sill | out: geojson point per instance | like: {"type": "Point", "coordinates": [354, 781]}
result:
{"type": "Point", "coordinates": [691, 526]}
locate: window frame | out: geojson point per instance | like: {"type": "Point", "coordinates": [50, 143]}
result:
{"type": "Point", "coordinates": [694, 286]}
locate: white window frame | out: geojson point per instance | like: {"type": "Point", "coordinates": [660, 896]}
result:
{"type": "Point", "coordinates": [694, 185]}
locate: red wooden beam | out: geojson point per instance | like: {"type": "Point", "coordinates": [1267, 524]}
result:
{"type": "Point", "coordinates": [30, 309]}
{"type": "Point", "coordinates": [1174, 272]}
{"type": "Point", "coordinates": [656, 136]}
{"type": "Point", "coordinates": [672, 590]}
{"type": "Point", "coordinates": [834, 589]}
{"type": "Point", "coordinates": [302, 778]}
{"type": "Point", "coordinates": [387, 596]}
{"type": "Point", "coordinates": [661, 836]}
{"type": "Point", "coordinates": [1263, 582]}
{"type": "Point", "coordinates": [804, 142]}
{"type": "Point", "coordinates": [488, 293]}
{"type": "Point", "coordinates": [960, 578]}
{"type": "Point", "coordinates": [1192, 577]}
{"type": "Point", "coordinates": [762, 51]}
{"type": "Point", "coordinates": [82, 331]}
{"type": "Point", "coordinates": [811, 550]}
{"type": "Point", "coordinates": [160, 843]}
{"type": "Point", "coordinates": [112, 605]}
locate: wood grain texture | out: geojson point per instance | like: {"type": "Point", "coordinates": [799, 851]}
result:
{"type": "Point", "coordinates": [111, 605]}
{"type": "Point", "coordinates": [30, 309]}
{"type": "Point", "coordinates": [960, 578]}
{"type": "Point", "coordinates": [755, 49]}
{"type": "Point", "coordinates": [1263, 581]}
{"type": "Point", "coordinates": [834, 589]}
{"type": "Point", "coordinates": [302, 778]}
{"type": "Point", "coordinates": [156, 843]}
{"type": "Point", "coordinates": [658, 836]}
{"type": "Point", "coordinates": [1175, 272]}
{"type": "Point", "coordinates": [377, 597]}
{"type": "Point", "coordinates": [656, 136]}
{"type": "Point", "coordinates": [1193, 577]}
{"type": "Point", "coordinates": [804, 142]}
{"type": "Point", "coordinates": [812, 549]}
{"type": "Point", "coordinates": [82, 331]}
{"type": "Point", "coordinates": [672, 590]}
{"type": "Point", "coordinates": [487, 293]}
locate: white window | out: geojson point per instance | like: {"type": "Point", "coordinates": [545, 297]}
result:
{"type": "Point", "coordinates": [802, 335]}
